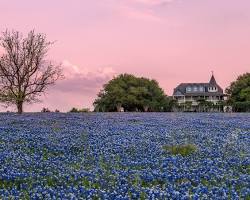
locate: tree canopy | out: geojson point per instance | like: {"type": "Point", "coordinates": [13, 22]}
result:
{"type": "Point", "coordinates": [132, 94]}
{"type": "Point", "coordinates": [239, 93]}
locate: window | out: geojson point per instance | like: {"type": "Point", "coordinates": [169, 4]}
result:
{"type": "Point", "coordinates": [195, 89]}
{"type": "Point", "coordinates": [212, 89]}
{"type": "Point", "coordinates": [201, 89]}
{"type": "Point", "coordinates": [189, 89]}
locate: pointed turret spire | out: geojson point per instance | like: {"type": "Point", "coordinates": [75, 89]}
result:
{"type": "Point", "coordinates": [212, 79]}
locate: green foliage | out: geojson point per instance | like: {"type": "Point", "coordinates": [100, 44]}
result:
{"type": "Point", "coordinates": [45, 110]}
{"type": "Point", "coordinates": [133, 94]}
{"type": "Point", "coordinates": [245, 169]}
{"type": "Point", "coordinates": [75, 110]}
{"type": "Point", "coordinates": [143, 196]}
{"type": "Point", "coordinates": [241, 106]}
{"type": "Point", "coordinates": [239, 93]}
{"type": "Point", "coordinates": [184, 150]}
{"type": "Point", "coordinates": [187, 105]}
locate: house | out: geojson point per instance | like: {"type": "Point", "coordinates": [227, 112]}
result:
{"type": "Point", "coordinates": [191, 96]}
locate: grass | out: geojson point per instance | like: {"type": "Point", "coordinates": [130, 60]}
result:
{"type": "Point", "coordinates": [245, 169]}
{"type": "Point", "coordinates": [9, 184]}
{"type": "Point", "coordinates": [183, 150]}
{"type": "Point", "coordinates": [134, 121]}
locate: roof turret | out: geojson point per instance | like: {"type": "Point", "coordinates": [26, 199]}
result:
{"type": "Point", "coordinates": [212, 80]}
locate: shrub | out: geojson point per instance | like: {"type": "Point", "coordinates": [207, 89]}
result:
{"type": "Point", "coordinates": [75, 110]}
{"type": "Point", "coordinates": [184, 150]}
{"type": "Point", "coordinates": [44, 110]}
{"type": "Point", "coordinates": [84, 110]}
{"type": "Point", "coordinates": [241, 106]}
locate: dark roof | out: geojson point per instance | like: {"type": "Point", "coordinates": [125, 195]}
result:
{"type": "Point", "coordinates": [181, 89]}
{"type": "Point", "coordinates": [212, 80]}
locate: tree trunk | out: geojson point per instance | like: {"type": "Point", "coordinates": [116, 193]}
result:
{"type": "Point", "coordinates": [145, 108]}
{"type": "Point", "coordinates": [118, 107]}
{"type": "Point", "coordinates": [19, 107]}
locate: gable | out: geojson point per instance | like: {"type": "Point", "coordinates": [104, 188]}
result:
{"type": "Point", "coordinates": [178, 93]}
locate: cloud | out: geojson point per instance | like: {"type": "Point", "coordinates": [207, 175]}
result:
{"type": "Point", "coordinates": [139, 9]}
{"type": "Point", "coordinates": [152, 2]}
{"type": "Point", "coordinates": [82, 79]}
{"type": "Point", "coordinates": [138, 14]}
{"type": "Point", "coordinates": [79, 88]}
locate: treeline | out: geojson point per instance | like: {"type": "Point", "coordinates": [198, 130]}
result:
{"type": "Point", "coordinates": [72, 110]}
{"type": "Point", "coordinates": [129, 93]}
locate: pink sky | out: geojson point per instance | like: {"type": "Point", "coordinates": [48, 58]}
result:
{"type": "Point", "coordinates": [171, 41]}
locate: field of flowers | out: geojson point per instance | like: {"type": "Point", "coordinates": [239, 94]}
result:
{"type": "Point", "coordinates": [124, 156]}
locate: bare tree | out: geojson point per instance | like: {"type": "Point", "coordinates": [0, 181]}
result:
{"type": "Point", "coordinates": [24, 71]}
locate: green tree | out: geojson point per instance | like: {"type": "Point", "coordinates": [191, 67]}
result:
{"type": "Point", "coordinates": [205, 106]}
{"type": "Point", "coordinates": [201, 104]}
{"type": "Point", "coordinates": [172, 105]}
{"type": "Point", "coordinates": [239, 93]}
{"type": "Point", "coordinates": [209, 105]}
{"type": "Point", "coordinates": [188, 105]}
{"type": "Point", "coordinates": [219, 105]}
{"type": "Point", "coordinates": [133, 94]}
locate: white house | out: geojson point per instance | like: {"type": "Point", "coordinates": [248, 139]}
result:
{"type": "Point", "coordinates": [194, 92]}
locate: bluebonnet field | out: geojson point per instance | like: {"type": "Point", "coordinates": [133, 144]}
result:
{"type": "Point", "coordinates": [121, 156]}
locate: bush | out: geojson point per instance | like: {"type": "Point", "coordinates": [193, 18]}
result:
{"type": "Point", "coordinates": [45, 110]}
{"type": "Point", "coordinates": [75, 110]}
{"type": "Point", "coordinates": [241, 106]}
{"type": "Point", "coordinates": [184, 150]}
{"type": "Point", "coordinates": [84, 110]}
